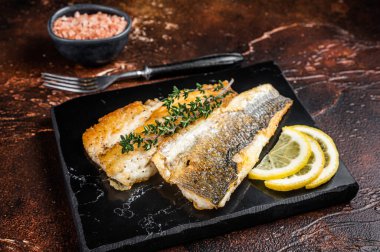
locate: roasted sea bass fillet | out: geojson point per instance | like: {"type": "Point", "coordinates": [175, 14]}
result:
{"type": "Point", "coordinates": [101, 141]}
{"type": "Point", "coordinates": [103, 137]}
{"type": "Point", "coordinates": [210, 158]}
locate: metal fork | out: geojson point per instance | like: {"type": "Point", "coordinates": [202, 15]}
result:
{"type": "Point", "coordinates": [89, 85]}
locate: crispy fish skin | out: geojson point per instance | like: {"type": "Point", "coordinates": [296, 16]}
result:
{"type": "Point", "coordinates": [209, 159]}
{"type": "Point", "coordinates": [101, 141]}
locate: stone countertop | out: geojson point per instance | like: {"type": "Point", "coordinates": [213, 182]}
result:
{"type": "Point", "coordinates": [329, 51]}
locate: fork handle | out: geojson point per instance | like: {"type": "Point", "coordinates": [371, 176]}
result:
{"type": "Point", "coordinates": [198, 65]}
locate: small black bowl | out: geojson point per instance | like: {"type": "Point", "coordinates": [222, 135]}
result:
{"type": "Point", "coordinates": [94, 52]}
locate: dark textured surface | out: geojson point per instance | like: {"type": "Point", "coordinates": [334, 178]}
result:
{"type": "Point", "coordinates": [328, 50]}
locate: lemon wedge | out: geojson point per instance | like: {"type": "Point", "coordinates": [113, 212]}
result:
{"type": "Point", "coordinates": [288, 156]}
{"type": "Point", "coordinates": [330, 151]}
{"type": "Point", "coordinates": [307, 174]}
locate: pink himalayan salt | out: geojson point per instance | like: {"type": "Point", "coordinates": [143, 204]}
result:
{"type": "Point", "coordinates": [89, 26]}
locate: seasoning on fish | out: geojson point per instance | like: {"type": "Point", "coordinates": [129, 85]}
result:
{"type": "Point", "coordinates": [210, 158]}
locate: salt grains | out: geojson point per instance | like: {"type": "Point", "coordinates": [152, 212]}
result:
{"type": "Point", "coordinates": [89, 26]}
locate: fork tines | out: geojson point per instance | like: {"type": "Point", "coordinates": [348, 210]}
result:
{"type": "Point", "coordinates": [68, 83]}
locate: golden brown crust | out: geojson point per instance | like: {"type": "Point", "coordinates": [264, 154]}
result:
{"type": "Point", "coordinates": [94, 138]}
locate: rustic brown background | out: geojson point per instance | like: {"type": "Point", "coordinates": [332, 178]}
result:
{"type": "Point", "coordinates": [329, 51]}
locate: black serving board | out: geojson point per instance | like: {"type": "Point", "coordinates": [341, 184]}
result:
{"type": "Point", "coordinates": [154, 214]}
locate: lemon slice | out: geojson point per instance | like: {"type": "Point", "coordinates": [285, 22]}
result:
{"type": "Point", "coordinates": [307, 174]}
{"type": "Point", "coordinates": [330, 151]}
{"type": "Point", "coordinates": [288, 156]}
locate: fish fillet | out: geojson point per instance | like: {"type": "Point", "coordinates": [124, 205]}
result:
{"type": "Point", "coordinates": [102, 137]}
{"type": "Point", "coordinates": [210, 158]}
{"type": "Point", "coordinates": [101, 141]}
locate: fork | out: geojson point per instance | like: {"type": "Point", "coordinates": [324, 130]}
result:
{"type": "Point", "coordinates": [94, 84]}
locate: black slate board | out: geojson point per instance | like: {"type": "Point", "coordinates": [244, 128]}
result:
{"type": "Point", "coordinates": [154, 214]}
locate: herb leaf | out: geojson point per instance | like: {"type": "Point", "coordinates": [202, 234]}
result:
{"type": "Point", "coordinates": [180, 115]}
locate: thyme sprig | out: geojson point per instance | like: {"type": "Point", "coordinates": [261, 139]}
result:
{"type": "Point", "coordinates": [180, 116]}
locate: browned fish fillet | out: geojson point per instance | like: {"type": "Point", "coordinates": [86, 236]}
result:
{"type": "Point", "coordinates": [209, 159]}
{"type": "Point", "coordinates": [101, 141]}
{"type": "Point", "coordinates": [104, 136]}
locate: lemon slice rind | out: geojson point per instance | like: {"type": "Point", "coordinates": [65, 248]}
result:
{"type": "Point", "coordinates": [294, 166]}
{"type": "Point", "coordinates": [331, 167]}
{"type": "Point", "coordinates": [297, 180]}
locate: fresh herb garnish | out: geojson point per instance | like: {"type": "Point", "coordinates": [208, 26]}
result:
{"type": "Point", "coordinates": [180, 116]}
